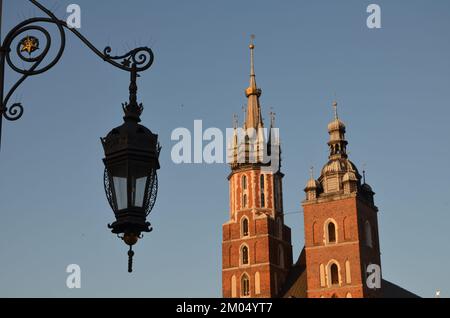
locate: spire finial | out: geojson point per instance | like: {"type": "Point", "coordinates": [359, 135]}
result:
{"type": "Point", "coordinates": [311, 172]}
{"type": "Point", "coordinates": [364, 173]}
{"type": "Point", "coordinates": [130, 259]}
{"type": "Point", "coordinates": [335, 105]}
{"type": "Point", "coordinates": [272, 117]}
{"type": "Point", "coordinates": [252, 55]}
{"type": "Point", "coordinates": [235, 121]}
{"type": "Point", "coordinates": [132, 108]}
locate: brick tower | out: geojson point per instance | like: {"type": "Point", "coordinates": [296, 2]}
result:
{"type": "Point", "coordinates": [256, 246]}
{"type": "Point", "coordinates": [341, 226]}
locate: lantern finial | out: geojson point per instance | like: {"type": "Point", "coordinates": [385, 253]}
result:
{"type": "Point", "coordinates": [130, 259]}
{"type": "Point", "coordinates": [132, 109]}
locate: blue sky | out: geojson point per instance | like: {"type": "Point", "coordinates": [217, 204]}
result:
{"type": "Point", "coordinates": [391, 84]}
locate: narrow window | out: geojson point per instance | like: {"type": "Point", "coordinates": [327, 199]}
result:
{"type": "Point", "coordinates": [244, 182]}
{"type": "Point", "coordinates": [331, 232]}
{"type": "Point", "coordinates": [244, 255]}
{"type": "Point", "coordinates": [245, 286]}
{"type": "Point", "coordinates": [244, 227]}
{"type": "Point", "coordinates": [334, 273]}
{"type": "Point", "coordinates": [244, 201]}
{"type": "Point", "coordinates": [263, 199]}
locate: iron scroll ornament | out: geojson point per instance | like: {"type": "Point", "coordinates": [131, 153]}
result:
{"type": "Point", "coordinates": [136, 60]}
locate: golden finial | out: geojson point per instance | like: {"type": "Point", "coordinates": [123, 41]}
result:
{"type": "Point", "coordinates": [252, 44]}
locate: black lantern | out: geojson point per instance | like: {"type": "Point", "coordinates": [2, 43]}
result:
{"type": "Point", "coordinates": [130, 179]}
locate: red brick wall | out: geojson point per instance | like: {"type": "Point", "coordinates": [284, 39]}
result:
{"type": "Point", "coordinates": [350, 214]}
{"type": "Point", "coordinates": [263, 240]}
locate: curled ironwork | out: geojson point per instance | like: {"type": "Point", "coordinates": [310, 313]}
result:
{"type": "Point", "coordinates": [34, 56]}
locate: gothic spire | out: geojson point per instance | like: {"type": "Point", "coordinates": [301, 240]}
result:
{"type": "Point", "coordinates": [253, 115]}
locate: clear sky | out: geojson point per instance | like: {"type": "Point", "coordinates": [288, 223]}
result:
{"type": "Point", "coordinates": [393, 91]}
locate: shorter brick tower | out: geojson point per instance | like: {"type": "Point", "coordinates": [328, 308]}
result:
{"type": "Point", "coordinates": [341, 225]}
{"type": "Point", "coordinates": [256, 247]}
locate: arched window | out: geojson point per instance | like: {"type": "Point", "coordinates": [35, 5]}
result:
{"type": "Point", "coordinates": [331, 232]}
{"type": "Point", "coordinates": [334, 274]}
{"type": "Point", "coordinates": [368, 234]}
{"type": "Point", "coordinates": [244, 255]}
{"type": "Point", "coordinates": [245, 286]}
{"type": "Point", "coordinates": [263, 198]}
{"type": "Point", "coordinates": [244, 182]}
{"type": "Point", "coordinates": [244, 226]}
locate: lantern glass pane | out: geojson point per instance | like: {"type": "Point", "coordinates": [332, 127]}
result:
{"type": "Point", "coordinates": [138, 191]}
{"type": "Point", "coordinates": [120, 188]}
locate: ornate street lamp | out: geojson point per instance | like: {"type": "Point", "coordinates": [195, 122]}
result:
{"type": "Point", "coordinates": [131, 150]}
{"type": "Point", "coordinates": [131, 182]}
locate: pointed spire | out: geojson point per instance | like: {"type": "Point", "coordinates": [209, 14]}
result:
{"type": "Point", "coordinates": [253, 115]}
{"type": "Point", "coordinates": [311, 172]}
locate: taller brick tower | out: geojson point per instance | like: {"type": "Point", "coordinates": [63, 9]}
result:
{"type": "Point", "coordinates": [256, 248]}
{"type": "Point", "coordinates": [341, 225]}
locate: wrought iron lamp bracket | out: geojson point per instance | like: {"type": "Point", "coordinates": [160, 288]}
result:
{"type": "Point", "coordinates": [134, 61]}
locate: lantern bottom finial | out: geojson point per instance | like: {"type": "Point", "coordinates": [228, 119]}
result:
{"type": "Point", "coordinates": [130, 259]}
{"type": "Point", "coordinates": [130, 238]}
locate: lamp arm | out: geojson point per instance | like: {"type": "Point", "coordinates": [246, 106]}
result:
{"type": "Point", "coordinates": [134, 61]}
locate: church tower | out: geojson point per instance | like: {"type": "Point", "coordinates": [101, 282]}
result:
{"type": "Point", "coordinates": [341, 226]}
{"type": "Point", "coordinates": [256, 245]}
